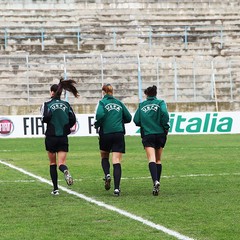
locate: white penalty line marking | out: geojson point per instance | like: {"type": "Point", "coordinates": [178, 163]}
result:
{"type": "Point", "coordinates": [104, 205]}
{"type": "Point", "coordinates": [133, 178]}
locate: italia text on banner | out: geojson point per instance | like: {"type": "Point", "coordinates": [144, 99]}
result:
{"type": "Point", "coordinates": [180, 122]}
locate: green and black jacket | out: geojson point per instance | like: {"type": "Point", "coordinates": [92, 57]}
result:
{"type": "Point", "coordinates": [152, 116]}
{"type": "Point", "coordinates": [111, 115]}
{"type": "Point", "coordinates": [59, 117]}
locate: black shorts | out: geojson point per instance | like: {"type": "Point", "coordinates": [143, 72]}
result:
{"type": "Point", "coordinates": [154, 140]}
{"type": "Point", "coordinates": [112, 142]}
{"type": "Point", "coordinates": [56, 144]}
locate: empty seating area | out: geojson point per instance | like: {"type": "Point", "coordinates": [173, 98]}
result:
{"type": "Point", "coordinates": [189, 49]}
{"type": "Point", "coordinates": [26, 80]}
{"type": "Point", "coordinates": [84, 27]}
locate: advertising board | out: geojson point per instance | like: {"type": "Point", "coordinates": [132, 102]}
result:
{"type": "Point", "coordinates": [21, 126]}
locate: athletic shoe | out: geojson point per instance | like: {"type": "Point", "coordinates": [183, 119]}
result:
{"type": "Point", "coordinates": [55, 192]}
{"type": "Point", "coordinates": [107, 180]}
{"type": "Point", "coordinates": [68, 178]}
{"type": "Point", "coordinates": [116, 192]}
{"type": "Point", "coordinates": [156, 188]}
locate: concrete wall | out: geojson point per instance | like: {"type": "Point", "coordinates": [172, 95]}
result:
{"type": "Point", "coordinates": [44, 30]}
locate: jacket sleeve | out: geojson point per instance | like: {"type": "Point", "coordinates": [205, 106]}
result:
{"type": "Point", "coordinates": [127, 117]}
{"type": "Point", "coordinates": [136, 118]}
{"type": "Point", "coordinates": [164, 116]}
{"type": "Point", "coordinates": [72, 117]}
{"type": "Point", "coordinates": [46, 113]}
{"type": "Point", "coordinates": [100, 114]}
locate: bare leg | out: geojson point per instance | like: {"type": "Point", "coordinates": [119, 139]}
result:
{"type": "Point", "coordinates": [159, 163]}
{"type": "Point", "coordinates": [62, 156]}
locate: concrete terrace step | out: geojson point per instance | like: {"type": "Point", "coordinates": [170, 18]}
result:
{"type": "Point", "coordinates": [132, 3]}
{"type": "Point", "coordinates": [119, 28]}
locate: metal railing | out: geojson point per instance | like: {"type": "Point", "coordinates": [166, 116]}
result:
{"type": "Point", "coordinates": [26, 79]}
{"type": "Point", "coordinates": [111, 1]}
{"type": "Point", "coordinates": [147, 36]}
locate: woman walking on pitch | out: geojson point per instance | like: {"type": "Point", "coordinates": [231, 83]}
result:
{"type": "Point", "coordinates": [111, 115]}
{"type": "Point", "coordinates": [59, 116]}
{"type": "Point", "coordinates": [153, 119]}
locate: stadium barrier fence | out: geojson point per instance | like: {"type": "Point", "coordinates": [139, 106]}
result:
{"type": "Point", "coordinates": [26, 79]}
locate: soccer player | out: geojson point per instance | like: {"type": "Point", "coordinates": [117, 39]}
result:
{"type": "Point", "coordinates": [111, 115]}
{"type": "Point", "coordinates": [59, 116]}
{"type": "Point", "coordinates": [153, 119]}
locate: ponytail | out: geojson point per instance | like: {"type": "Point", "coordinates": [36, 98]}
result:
{"type": "Point", "coordinates": [66, 85]}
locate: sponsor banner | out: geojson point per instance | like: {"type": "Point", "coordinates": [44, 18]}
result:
{"type": "Point", "coordinates": [205, 123]}
{"type": "Point", "coordinates": [181, 123]}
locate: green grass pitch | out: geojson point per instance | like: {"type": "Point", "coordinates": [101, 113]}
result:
{"type": "Point", "coordinates": [200, 191]}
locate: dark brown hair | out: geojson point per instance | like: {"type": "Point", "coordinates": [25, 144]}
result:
{"type": "Point", "coordinates": [151, 91]}
{"type": "Point", "coordinates": [108, 89]}
{"type": "Point", "coordinates": [66, 85]}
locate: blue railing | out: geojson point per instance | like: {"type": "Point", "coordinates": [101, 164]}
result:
{"type": "Point", "coordinates": [177, 81]}
{"type": "Point", "coordinates": [183, 35]}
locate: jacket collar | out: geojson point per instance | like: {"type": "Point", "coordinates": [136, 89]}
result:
{"type": "Point", "coordinates": [108, 96]}
{"type": "Point", "coordinates": [151, 98]}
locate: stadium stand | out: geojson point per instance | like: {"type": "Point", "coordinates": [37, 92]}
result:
{"type": "Point", "coordinates": [189, 49]}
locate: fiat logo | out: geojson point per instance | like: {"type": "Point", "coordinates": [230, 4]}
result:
{"type": "Point", "coordinates": [6, 126]}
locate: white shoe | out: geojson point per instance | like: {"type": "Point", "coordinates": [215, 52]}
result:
{"type": "Point", "coordinates": [55, 192]}
{"type": "Point", "coordinates": [68, 178]}
{"type": "Point", "coordinates": [116, 192]}
{"type": "Point", "coordinates": [156, 188]}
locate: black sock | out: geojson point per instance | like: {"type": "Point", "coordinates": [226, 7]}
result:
{"type": "Point", "coordinates": [159, 171]}
{"type": "Point", "coordinates": [117, 173]}
{"type": "Point", "coordinates": [54, 176]}
{"type": "Point", "coordinates": [63, 167]}
{"type": "Point", "coordinates": [105, 166]}
{"type": "Point", "coordinates": [153, 170]}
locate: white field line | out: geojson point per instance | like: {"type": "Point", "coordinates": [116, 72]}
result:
{"type": "Point", "coordinates": [104, 205]}
{"type": "Point", "coordinates": [187, 176]}
{"type": "Point", "coordinates": [135, 178]}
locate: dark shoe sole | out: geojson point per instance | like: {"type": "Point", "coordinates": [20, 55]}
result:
{"type": "Point", "coordinates": [107, 183]}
